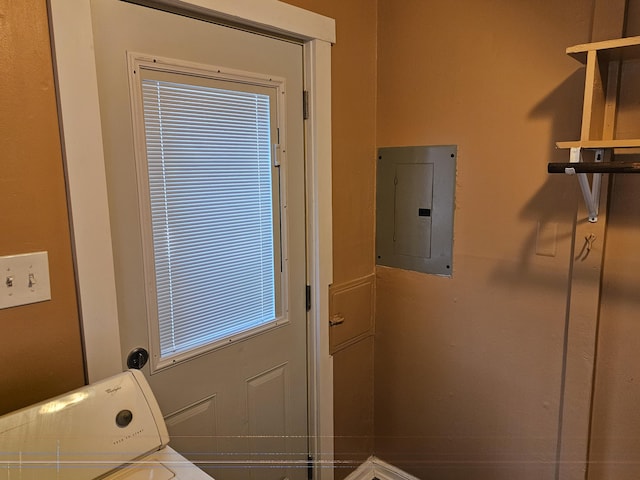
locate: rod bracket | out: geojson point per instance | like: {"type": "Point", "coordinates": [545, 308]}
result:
{"type": "Point", "coordinates": [590, 193]}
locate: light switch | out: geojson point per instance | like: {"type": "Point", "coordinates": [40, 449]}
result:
{"type": "Point", "coordinates": [26, 279]}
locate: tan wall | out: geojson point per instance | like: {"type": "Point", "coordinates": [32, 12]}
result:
{"type": "Point", "coordinates": [353, 64]}
{"type": "Point", "coordinates": [353, 76]}
{"type": "Point", "coordinates": [468, 369]}
{"type": "Point", "coordinates": [40, 347]}
{"type": "Point", "coordinates": [616, 417]}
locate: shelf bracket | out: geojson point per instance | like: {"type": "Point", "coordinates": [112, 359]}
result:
{"type": "Point", "coordinates": [591, 193]}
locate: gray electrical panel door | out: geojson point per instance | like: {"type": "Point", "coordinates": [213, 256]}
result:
{"type": "Point", "coordinates": [415, 203]}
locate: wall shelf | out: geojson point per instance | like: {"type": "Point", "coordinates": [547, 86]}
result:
{"type": "Point", "coordinates": [603, 62]}
{"type": "Point", "coordinates": [598, 144]}
{"type": "Point", "coordinates": [617, 49]}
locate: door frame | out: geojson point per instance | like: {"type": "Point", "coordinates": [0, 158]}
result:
{"type": "Point", "coordinates": [79, 111]}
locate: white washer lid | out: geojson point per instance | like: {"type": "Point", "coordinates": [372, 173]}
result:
{"type": "Point", "coordinates": [82, 434]}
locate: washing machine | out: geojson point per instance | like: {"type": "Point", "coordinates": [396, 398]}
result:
{"type": "Point", "coordinates": [111, 429]}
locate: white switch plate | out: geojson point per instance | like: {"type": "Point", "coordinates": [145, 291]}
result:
{"type": "Point", "coordinates": [24, 279]}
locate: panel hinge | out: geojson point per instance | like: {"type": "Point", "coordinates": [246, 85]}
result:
{"type": "Point", "coordinates": [309, 467]}
{"type": "Point", "coordinates": [308, 298]}
{"type": "Point", "coordinates": [305, 105]}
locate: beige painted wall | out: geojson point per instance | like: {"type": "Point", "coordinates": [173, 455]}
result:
{"type": "Point", "coordinates": [468, 369]}
{"type": "Point", "coordinates": [353, 76]}
{"type": "Point", "coordinates": [40, 349]}
{"type": "Point", "coordinates": [615, 430]}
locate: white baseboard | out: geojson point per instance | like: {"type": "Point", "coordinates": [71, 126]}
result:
{"type": "Point", "coordinates": [363, 472]}
{"type": "Point", "coordinates": [373, 467]}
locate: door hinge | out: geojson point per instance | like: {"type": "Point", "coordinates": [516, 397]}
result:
{"type": "Point", "coordinates": [309, 467]}
{"type": "Point", "coordinates": [308, 298]}
{"type": "Point", "coordinates": [305, 105]}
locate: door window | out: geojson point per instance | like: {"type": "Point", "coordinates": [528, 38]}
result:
{"type": "Point", "coordinates": [209, 192]}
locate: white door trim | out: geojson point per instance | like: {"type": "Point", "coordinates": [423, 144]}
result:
{"type": "Point", "coordinates": [77, 86]}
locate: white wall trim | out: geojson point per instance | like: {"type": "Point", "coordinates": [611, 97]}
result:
{"type": "Point", "coordinates": [386, 471]}
{"type": "Point", "coordinates": [373, 467]}
{"type": "Point", "coordinates": [72, 38]}
{"type": "Point", "coordinates": [269, 15]}
{"type": "Point", "coordinates": [86, 183]}
{"type": "Point", "coordinates": [317, 72]}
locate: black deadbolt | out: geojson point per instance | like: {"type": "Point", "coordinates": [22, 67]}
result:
{"type": "Point", "coordinates": [137, 358]}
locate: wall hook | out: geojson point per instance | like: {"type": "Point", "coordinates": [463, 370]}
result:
{"type": "Point", "coordinates": [586, 248]}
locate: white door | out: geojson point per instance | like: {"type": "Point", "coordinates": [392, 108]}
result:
{"type": "Point", "coordinates": [235, 403]}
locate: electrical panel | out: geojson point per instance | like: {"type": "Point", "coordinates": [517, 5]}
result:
{"type": "Point", "coordinates": [415, 204]}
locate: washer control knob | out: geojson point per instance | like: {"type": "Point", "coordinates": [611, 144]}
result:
{"type": "Point", "coordinates": [123, 418]}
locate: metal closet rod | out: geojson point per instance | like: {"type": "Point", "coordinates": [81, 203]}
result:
{"type": "Point", "coordinates": [595, 167]}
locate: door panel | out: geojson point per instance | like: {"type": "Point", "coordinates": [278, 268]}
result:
{"type": "Point", "coordinates": [194, 428]}
{"type": "Point", "coordinates": [243, 404]}
{"type": "Point", "coordinates": [268, 433]}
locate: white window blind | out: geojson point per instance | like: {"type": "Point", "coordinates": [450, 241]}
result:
{"type": "Point", "coordinates": [211, 197]}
